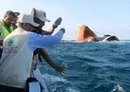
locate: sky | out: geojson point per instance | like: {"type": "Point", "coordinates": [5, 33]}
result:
{"type": "Point", "coordinates": [101, 16]}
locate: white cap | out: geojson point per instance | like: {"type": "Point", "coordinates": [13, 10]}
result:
{"type": "Point", "coordinates": [24, 18]}
{"type": "Point", "coordinates": [41, 15]}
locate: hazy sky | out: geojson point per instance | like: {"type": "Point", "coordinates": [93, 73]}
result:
{"type": "Point", "coordinates": [102, 16]}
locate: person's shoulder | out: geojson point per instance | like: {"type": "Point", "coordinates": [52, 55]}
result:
{"type": "Point", "coordinates": [34, 35]}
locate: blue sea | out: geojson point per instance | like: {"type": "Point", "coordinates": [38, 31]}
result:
{"type": "Point", "coordinates": [90, 67]}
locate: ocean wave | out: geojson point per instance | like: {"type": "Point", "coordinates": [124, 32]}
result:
{"type": "Point", "coordinates": [90, 67]}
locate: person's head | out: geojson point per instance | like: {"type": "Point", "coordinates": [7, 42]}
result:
{"type": "Point", "coordinates": [26, 22]}
{"type": "Point", "coordinates": [15, 19]}
{"type": "Point", "coordinates": [9, 17]}
{"type": "Point", "coordinates": [17, 14]}
{"type": "Point", "coordinates": [39, 17]}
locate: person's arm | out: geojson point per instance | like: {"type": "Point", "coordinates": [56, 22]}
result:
{"type": "Point", "coordinates": [54, 26]}
{"type": "Point", "coordinates": [46, 57]}
{"type": "Point", "coordinates": [39, 41]}
{"type": "Point", "coordinates": [50, 31]}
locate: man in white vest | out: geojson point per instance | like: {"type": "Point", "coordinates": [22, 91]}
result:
{"type": "Point", "coordinates": [18, 47]}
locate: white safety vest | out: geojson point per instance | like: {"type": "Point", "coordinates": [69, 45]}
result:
{"type": "Point", "coordinates": [16, 60]}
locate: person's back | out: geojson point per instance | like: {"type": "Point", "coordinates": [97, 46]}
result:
{"type": "Point", "coordinates": [18, 52]}
{"type": "Point", "coordinates": [15, 51]}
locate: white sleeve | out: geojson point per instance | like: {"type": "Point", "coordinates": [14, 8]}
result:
{"type": "Point", "coordinates": [39, 41]}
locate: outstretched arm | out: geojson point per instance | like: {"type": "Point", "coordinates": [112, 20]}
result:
{"type": "Point", "coordinates": [46, 57]}
{"type": "Point", "coordinates": [54, 26]}
{"type": "Point", "coordinates": [39, 41]}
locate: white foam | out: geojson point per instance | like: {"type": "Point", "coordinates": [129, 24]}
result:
{"type": "Point", "coordinates": [52, 78]}
{"type": "Point", "coordinates": [118, 88]}
{"type": "Point", "coordinates": [71, 90]}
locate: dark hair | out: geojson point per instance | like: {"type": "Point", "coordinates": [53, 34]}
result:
{"type": "Point", "coordinates": [17, 14]}
{"type": "Point", "coordinates": [10, 13]}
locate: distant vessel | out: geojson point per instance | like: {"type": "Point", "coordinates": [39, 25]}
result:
{"type": "Point", "coordinates": [85, 34]}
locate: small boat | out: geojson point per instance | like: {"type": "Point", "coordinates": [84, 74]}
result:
{"type": "Point", "coordinates": [37, 83]}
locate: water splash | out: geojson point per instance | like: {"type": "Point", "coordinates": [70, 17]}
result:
{"type": "Point", "coordinates": [118, 88]}
{"type": "Point", "coordinates": [52, 78]}
{"type": "Point", "coordinates": [71, 90]}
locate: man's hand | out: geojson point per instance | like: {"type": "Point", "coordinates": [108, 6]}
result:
{"type": "Point", "coordinates": [60, 69]}
{"type": "Point", "coordinates": [63, 30]}
{"type": "Point", "coordinates": [57, 22]}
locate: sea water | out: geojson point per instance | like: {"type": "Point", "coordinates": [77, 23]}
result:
{"type": "Point", "coordinates": [90, 67]}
